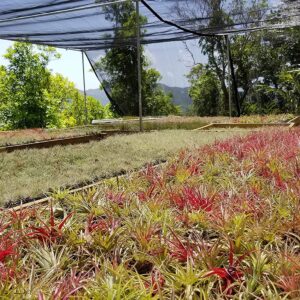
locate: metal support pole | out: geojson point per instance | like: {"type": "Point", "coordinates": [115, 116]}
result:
{"type": "Point", "coordinates": [139, 71]}
{"type": "Point", "coordinates": [229, 76]}
{"type": "Point", "coordinates": [84, 90]}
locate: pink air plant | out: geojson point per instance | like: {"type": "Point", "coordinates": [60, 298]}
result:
{"type": "Point", "coordinates": [68, 287]}
{"type": "Point", "coordinates": [102, 225]}
{"type": "Point", "coordinates": [118, 198]}
{"type": "Point", "coordinates": [156, 282]}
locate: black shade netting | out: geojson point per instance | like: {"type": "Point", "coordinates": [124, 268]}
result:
{"type": "Point", "coordinates": [85, 24]}
{"type": "Point", "coordinates": [97, 27]}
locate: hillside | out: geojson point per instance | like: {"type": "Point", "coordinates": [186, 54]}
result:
{"type": "Point", "coordinates": [97, 94]}
{"type": "Point", "coordinates": [180, 95]}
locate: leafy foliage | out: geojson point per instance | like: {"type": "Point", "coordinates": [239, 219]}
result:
{"type": "Point", "coordinates": [32, 97]}
{"type": "Point", "coordinates": [119, 69]}
{"type": "Point", "coordinates": [205, 91]}
{"type": "Point", "coordinates": [26, 78]}
{"type": "Point", "coordinates": [259, 61]}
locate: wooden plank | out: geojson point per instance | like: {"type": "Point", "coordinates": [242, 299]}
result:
{"type": "Point", "coordinates": [241, 125]}
{"type": "Point", "coordinates": [54, 142]}
{"type": "Point", "coordinates": [206, 127]}
{"type": "Point", "coordinates": [295, 121]}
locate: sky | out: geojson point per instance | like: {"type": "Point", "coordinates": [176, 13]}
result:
{"type": "Point", "coordinates": [171, 59]}
{"type": "Point", "coordinates": [69, 65]}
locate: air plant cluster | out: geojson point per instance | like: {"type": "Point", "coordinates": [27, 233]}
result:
{"type": "Point", "coordinates": [218, 222]}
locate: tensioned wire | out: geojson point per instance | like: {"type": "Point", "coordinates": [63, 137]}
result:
{"type": "Point", "coordinates": [67, 10]}
{"type": "Point", "coordinates": [220, 32]}
{"type": "Point", "coordinates": [158, 30]}
{"type": "Point", "coordinates": [209, 31]}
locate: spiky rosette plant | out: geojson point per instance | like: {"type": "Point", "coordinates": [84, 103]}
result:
{"type": "Point", "coordinates": [218, 222]}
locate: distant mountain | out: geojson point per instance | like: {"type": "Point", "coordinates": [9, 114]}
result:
{"type": "Point", "coordinates": [98, 94]}
{"type": "Point", "coordinates": [180, 95]}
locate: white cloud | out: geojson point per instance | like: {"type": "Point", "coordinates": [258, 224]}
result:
{"type": "Point", "coordinates": [151, 57]}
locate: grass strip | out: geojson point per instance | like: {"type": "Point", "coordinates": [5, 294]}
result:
{"type": "Point", "coordinates": [164, 123]}
{"type": "Point", "coordinates": [29, 173]}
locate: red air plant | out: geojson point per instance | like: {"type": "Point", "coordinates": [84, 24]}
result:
{"type": "Point", "coordinates": [172, 170]}
{"type": "Point", "coordinates": [101, 224]}
{"type": "Point", "coordinates": [192, 200]}
{"type": "Point", "coordinates": [51, 232]}
{"type": "Point", "coordinates": [144, 196]}
{"type": "Point", "coordinates": [179, 250]}
{"type": "Point", "coordinates": [229, 274]}
{"type": "Point", "coordinates": [6, 252]}
{"type": "Point", "coordinates": [154, 177]}
{"type": "Point", "coordinates": [279, 182]}
{"type": "Point", "coordinates": [8, 249]}
{"type": "Point", "coordinates": [22, 215]}
{"type": "Point", "coordinates": [7, 243]}
{"type": "Point", "coordinates": [194, 169]}
{"type": "Point", "coordinates": [7, 273]}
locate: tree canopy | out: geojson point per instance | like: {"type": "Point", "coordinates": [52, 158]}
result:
{"type": "Point", "coordinates": [31, 96]}
{"type": "Point", "coordinates": [265, 65]}
{"type": "Point", "coordinates": [119, 69]}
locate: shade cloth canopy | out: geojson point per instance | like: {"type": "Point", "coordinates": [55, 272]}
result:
{"type": "Point", "coordinates": [83, 25]}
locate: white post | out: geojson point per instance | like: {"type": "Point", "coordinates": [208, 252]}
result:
{"type": "Point", "coordinates": [84, 90]}
{"type": "Point", "coordinates": [229, 75]}
{"type": "Point", "coordinates": [139, 71]}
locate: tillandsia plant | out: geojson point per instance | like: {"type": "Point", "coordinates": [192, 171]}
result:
{"type": "Point", "coordinates": [231, 273]}
{"type": "Point", "coordinates": [217, 222]}
{"type": "Point", "coordinates": [51, 231]}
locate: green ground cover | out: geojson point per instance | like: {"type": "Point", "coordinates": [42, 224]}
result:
{"type": "Point", "coordinates": [29, 173]}
{"type": "Point", "coordinates": [165, 123]}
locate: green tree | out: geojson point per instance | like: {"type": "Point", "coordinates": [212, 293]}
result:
{"type": "Point", "coordinates": [213, 47]}
{"type": "Point", "coordinates": [259, 58]}
{"type": "Point", "coordinates": [67, 107]}
{"type": "Point", "coordinates": [3, 97]}
{"type": "Point", "coordinates": [59, 94]}
{"type": "Point", "coordinates": [30, 96]}
{"type": "Point", "coordinates": [75, 113]}
{"type": "Point", "coordinates": [26, 79]}
{"type": "Point", "coordinates": [259, 66]}
{"type": "Point", "coordinates": [119, 66]}
{"type": "Point", "coordinates": [205, 91]}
